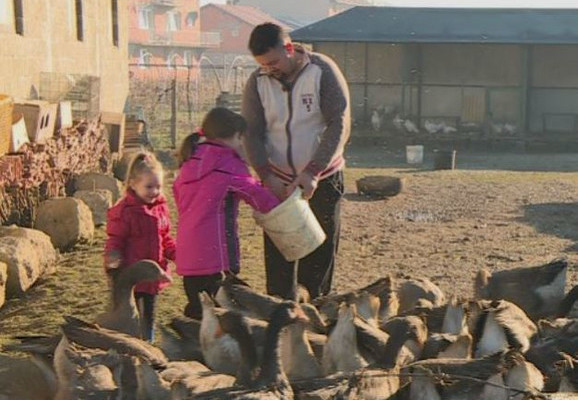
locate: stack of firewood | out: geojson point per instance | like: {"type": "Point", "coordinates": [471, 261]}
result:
{"type": "Point", "coordinates": [49, 166]}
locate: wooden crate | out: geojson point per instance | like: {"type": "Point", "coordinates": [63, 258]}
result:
{"type": "Point", "coordinates": [64, 115]}
{"type": "Point", "coordinates": [6, 106]}
{"type": "Point", "coordinates": [40, 118]}
{"type": "Point", "coordinates": [115, 125]}
{"type": "Point", "coordinates": [19, 134]}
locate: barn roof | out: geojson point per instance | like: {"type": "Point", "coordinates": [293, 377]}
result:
{"type": "Point", "coordinates": [445, 25]}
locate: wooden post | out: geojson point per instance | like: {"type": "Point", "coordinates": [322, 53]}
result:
{"type": "Point", "coordinates": [174, 113]}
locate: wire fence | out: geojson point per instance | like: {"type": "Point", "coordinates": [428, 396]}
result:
{"type": "Point", "coordinates": [172, 100]}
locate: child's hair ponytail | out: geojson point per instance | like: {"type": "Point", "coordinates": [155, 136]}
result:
{"type": "Point", "coordinates": [188, 147]}
{"type": "Point", "coordinates": [142, 162]}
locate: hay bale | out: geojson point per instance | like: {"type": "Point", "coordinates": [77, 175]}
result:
{"type": "Point", "coordinates": [379, 186]}
{"type": "Point", "coordinates": [66, 220]}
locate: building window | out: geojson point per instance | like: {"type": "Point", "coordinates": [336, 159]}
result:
{"type": "Point", "coordinates": [145, 18]}
{"type": "Point", "coordinates": [18, 17]}
{"type": "Point", "coordinates": [144, 58]}
{"type": "Point", "coordinates": [79, 21]}
{"type": "Point", "coordinates": [114, 12]}
{"type": "Point", "coordinates": [188, 58]}
{"type": "Point", "coordinates": [191, 19]}
{"type": "Point", "coordinates": [173, 21]}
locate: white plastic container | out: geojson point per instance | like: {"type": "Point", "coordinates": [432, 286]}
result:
{"type": "Point", "coordinates": [292, 227]}
{"type": "Point", "coordinates": [414, 154]}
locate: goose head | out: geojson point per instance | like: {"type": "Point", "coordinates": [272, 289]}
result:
{"type": "Point", "coordinates": [412, 290]}
{"type": "Point", "coordinates": [407, 337]}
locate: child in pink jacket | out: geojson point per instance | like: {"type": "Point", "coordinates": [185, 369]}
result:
{"type": "Point", "coordinates": [212, 180]}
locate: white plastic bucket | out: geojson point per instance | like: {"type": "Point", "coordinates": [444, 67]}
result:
{"type": "Point", "coordinates": [292, 227]}
{"type": "Point", "coordinates": [414, 154]}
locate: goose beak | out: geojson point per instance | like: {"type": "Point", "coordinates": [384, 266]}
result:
{"type": "Point", "coordinates": [166, 278]}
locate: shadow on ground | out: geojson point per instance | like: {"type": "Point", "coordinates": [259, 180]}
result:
{"type": "Point", "coordinates": [558, 219]}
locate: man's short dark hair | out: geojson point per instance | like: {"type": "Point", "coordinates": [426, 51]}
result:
{"type": "Point", "coordinates": [265, 37]}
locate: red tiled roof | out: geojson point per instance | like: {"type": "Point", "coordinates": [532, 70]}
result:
{"type": "Point", "coordinates": [251, 15]}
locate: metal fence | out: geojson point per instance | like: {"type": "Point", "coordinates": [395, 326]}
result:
{"type": "Point", "coordinates": [172, 100]}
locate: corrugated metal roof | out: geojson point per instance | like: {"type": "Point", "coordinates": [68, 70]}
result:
{"type": "Point", "coordinates": [251, 15]}
{"type": "Point", "coordinates": [445, 25]}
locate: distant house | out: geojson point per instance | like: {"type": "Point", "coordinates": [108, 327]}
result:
{"type": "Point", "coordinates": [166, 33]}
{"type": "Point", "coordinates": [52, 48]}
{"type": "Point", "coordinates": [302, 12]}
{"type": "Point", "coordinates": [233, 24]}
{"type": "Point", "coordinates": [487, 73]}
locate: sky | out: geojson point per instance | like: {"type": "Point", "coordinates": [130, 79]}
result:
{"type": "Point", "coordinates": [465, 3]}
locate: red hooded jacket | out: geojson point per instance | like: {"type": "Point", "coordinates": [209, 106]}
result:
{"type": "Point", "coordinates": [137, 231]}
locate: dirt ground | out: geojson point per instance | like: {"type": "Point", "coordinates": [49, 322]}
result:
{"type": "Point", "coordinates": [495, 210]}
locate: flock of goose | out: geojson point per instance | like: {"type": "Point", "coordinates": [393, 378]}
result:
{"type": "Point", "coordinates": [517, 339]}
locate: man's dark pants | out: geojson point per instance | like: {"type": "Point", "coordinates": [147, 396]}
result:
{"type": "Point", "coordinates": [316, 269]}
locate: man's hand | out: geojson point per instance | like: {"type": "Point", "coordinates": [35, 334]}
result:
{"type": "Point", "coordinates": [307, 181]}
{"type": "Point", "coordinates": [277, 186]}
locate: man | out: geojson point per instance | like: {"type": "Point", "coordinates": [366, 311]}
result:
{"type": "Point", "coordinates": [297, 109]}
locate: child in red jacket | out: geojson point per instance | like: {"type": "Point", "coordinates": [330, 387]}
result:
{"type": "Point", "coordinates": [138, 227]}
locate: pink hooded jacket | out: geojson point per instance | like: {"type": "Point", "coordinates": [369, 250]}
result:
{"type": "Point", "coordinates": [207, 193]}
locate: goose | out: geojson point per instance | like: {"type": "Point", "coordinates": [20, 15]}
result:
{"type": "Point", "coordinates": [478, 379]}
{"type": "Point", "coordinates": [569, 375]}
{"type": "Point", "coordinates": [447, 345]}
{"type": "Point", "coordinates": [30, 378]}
{"type": "Point", "coordinates": [522, 376]}
{"type": "Point", "coordinates": [550, 355]}
{"type": "Point", "coordinates": [569, 306]}
{"type": "Point", "coordinates": [499, 325]}
{"type": "Point", "coordinates": [386, 304]}
{"type": "Point", "coordinates": [297, 356]}
{"type": "Point", "coordinates": [181, 342]}
{"type": "Point", "coordinates": [341, 353]}
{"type": "Point", "coordinates": [235, 294]}
{"type": "Point", "coordinates": [123, 314]}
{"type": "Point", "coordinates": [538, 290]}
{"type": "Point", "coordinates": [557, 327]}
{"type": "Point", "coordinates": [412, 290]}
{"type": "Point", "coordinates": [271, 383]}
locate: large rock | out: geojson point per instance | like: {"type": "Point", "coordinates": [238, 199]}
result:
{"type": "Point", "coordinates": [99, 201]}
{"type": "Point", "coordinates": [120, 167]}
{"type": "Point", "coordinates": [93, 181]}
{"type": "Point", "coordinates": [66, 220]}
{"type": "Point", "coordinates": [23, 261]}
{"type": "Point", "coordinates": [40, 240]}
{"type": "Point", "coordinates": [3, 276]}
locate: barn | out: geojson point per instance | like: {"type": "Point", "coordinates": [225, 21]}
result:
{"type": "Point", "coordinates": [459, 74]}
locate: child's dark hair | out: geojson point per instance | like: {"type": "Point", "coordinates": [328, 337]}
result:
{"type": "Point", "coordinates": [265, 37]}
{"type": "Point", "coordinates": [219, 123]}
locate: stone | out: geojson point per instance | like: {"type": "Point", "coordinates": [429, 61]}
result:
{"type": "Point", "coordinates": [40, 240]}
{"type": "Point", "coordinates": [93, 181]}
{"type": "Point", "coordinates": [3, 276]}
{"type": "Point", "coordinates": [99, 201]}
{"type": "Point", "coordinates": [23, 264]}
{"type": "Point", "coordinates": [66, 220]}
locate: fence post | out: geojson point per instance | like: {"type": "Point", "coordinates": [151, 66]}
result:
{"type": "Point", "coordinates": [174, 113]}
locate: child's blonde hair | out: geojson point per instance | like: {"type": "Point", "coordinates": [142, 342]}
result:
{"type": "Point", "coordinates": [143, 162]}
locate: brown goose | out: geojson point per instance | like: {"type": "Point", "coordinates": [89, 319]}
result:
{"type": "Point", "coordinates": [539, 290]}
{"type": "Point", "coordinates": [297, 356]}
{"type": "Point", "coordinates": [181, 342]}
{"type": "Point", "coordinates": [569, 306]}
{"type": "Point", "coordinates": [376, 301]}
{"type": "Point", "coordinates": [123, 314]}
{"type": "Point", "coordinates": [498, 326]}
{"type": "Point", "coordinates": [30, 378]}
{"type": "Point", "coordinates": [240, 297]}
{"type": "Point", "coordinates": [437, 379]}
{"type": "Point", "coordinates": [412, 290]}
{"type": "Point", "coordinates": [272, 383]}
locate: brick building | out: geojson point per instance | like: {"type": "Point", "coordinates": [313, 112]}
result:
{"type": "Point", "coordinates": [56, 41]}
